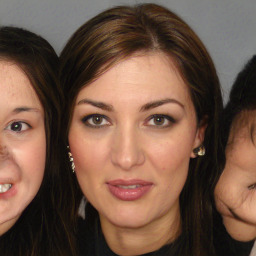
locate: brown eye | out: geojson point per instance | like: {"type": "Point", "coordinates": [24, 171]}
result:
{"type": "Point", "coordinates": [159, 120]}
{"type": "Point", "coordinates": [97, 120]}
{"type": "Point", "coordinates": [18, 126]}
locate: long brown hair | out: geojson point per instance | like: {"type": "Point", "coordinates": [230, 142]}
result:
{"type": "Point", "coordinates": [43, 227]}
{"type": "Point", "coordinates": [120, 32]}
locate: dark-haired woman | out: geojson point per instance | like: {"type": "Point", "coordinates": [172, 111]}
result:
{"type": "Point", "coordinates": [143, 103]}
{"type": "Point", "coordinates": [32, 219]}
{"type": "Point", "coordinates": [235, 191]}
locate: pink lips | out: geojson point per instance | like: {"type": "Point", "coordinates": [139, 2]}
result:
{"type": "Point", "coordinates": [8, 194]}
{"type": "Point", "coordinates": [129, 190]}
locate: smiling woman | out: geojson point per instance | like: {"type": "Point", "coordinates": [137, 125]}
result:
{"type": "Point", "coordinates": [31, 220]}
{"type": "Point", "coordinates": [143, 100]}
{"type": "Point", "coordinates": [22, 141]}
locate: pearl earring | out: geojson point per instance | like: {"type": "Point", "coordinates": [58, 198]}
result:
{"type": "Point", "coordinates": [71, 159]}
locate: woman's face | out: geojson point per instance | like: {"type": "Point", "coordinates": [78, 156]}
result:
{"type": "Point", "coordinates": [132, 135]}
{"type": "Point", "coordinates": [235, 193]}
{"type": "Point", "coordinates": [22, 144]}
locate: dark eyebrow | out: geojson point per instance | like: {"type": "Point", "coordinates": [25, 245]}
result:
{"type": "Point", "coordinates": [96, 104]}
{"type": "Point", "coordinates": [25, 109]}
{"type": "Point", "coordinates": [158, 103]}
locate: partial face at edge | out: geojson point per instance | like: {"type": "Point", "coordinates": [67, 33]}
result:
{"type": "Point", "coordinates": [235, 192]}
{"type": "Point", "coordinates": [132, 135]}
{"type": "Point", "coordinates": [22, 144]}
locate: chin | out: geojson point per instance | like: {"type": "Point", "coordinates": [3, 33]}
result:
{"type": "Point", "coordinates": [129, 218]}
{"type": "Point", "coordinates": [129, 223]}
{"type": "Point", "coordinates": [239, 230]}
{"type": "Point", "coordinates": [7, 220]}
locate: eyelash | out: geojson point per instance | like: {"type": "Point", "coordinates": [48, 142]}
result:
{"type": "Point", "coordinates": [86, 120]}
{"type": "Point", "coordinates": [9, 126]}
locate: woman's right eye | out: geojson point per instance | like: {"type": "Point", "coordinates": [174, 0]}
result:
{"type": "Point", "coordinates": [96, 121]}
{"type": "Point", "coordinates": [18, 126]}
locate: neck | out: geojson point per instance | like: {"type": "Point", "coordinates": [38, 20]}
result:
{"type": "Point", "coordinates": [136, 241]}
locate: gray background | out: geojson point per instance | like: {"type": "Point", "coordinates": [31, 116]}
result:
{"type": "Point", "coordinates": [227, 27]}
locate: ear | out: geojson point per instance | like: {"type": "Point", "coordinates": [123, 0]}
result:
{"type": "Point", "coordinates": [199, 138]}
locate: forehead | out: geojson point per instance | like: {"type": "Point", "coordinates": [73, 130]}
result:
{"type": "Point", "coordinates": [148, 75]}
{"type": "Point", "coordinates": [243, 127]}
{"type": "Point", "coordinates": [241, 148]}
{"type": "Point", "coordinates": [15, 86]}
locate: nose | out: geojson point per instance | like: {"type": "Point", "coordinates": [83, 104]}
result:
{"type": "Point", "coordinates": [127, 151]}
{"type": "Point", "coordinates": [3, 154]}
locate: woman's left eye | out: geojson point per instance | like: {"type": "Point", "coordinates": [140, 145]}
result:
{"type": "Point", "coordinates": [18, 126]}
{"type": "Point", "coordinates": [160, 121]}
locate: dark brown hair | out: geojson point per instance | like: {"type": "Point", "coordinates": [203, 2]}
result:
{"type": "Point", "coordinates": [121, 32]}
{"type": "Point", "coordinates": [42, 228]}
{"type": "Point", "coordinates": [242, 101]}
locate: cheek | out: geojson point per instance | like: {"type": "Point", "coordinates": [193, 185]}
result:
{"type": "Point", "coordinates": [169, 154]}
{"type": "Point", "coordinates": [89, 157]}
{"type": "Point", "coordinates": [84, 152]}
{"type": "Point", "coordinates": [39, 159]}
{"type": "Point", "coordinates": [31, 158]}
{"type": "Point", "coordinates": [230, 189]}
{"type": "Point", "coordinates": [171, 163]}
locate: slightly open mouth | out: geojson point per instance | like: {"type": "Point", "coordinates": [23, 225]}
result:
{"type": "Point", "coordinates": [129, 186]}
{"type": "Point", "coordinates": [4, 188]}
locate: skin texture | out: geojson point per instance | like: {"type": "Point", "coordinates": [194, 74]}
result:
{"type": "Point", "coordinates": [22, 143]}
{"type": "Point", "coordinates": [130, 143]}
{"type": "Point", "coordinates": [235, 192]}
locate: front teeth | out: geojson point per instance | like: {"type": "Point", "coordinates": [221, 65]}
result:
{"type": "Point", "coordinates": [129, 187]}
{"type": "Point", "coordinates": [5, 187]}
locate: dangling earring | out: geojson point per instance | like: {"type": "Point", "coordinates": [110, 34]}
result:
{"type": "Point", "coordinates": [71, 159]}
{"type": "Point", "coordinates": [199, 151]}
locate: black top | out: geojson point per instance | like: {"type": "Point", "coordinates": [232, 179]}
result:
{"type": "Point", "coordinates": [91, 242]}
{"type": "Point", "coordinates": [224, 244]}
